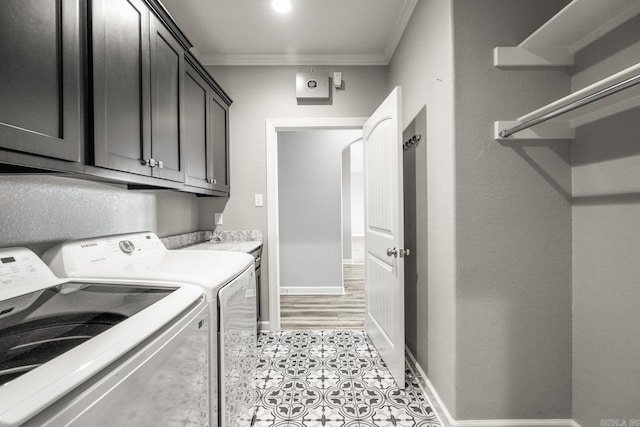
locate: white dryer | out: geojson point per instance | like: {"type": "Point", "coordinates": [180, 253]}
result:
{"type": "Point", "coordinates": [228, 279]}
{"type": "Point", "coordinates": [99, 353]}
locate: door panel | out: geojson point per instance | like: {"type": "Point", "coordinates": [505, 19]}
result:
{"type": "Point", "coordinates": [198, 156]}
{"type": "Point", "coordinates": [166, 103]}
{"type": "Point", "coordinates": [121, 85]}
{"type": "Point", "coordinates": [40, 108]}
{"type": "Point", "coordinates": [219, 143]}
{"type": "Point", "coordinates": [384, 230]}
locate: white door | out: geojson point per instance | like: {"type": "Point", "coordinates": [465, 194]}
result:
{"type": "Point", "coordinates": [384, 233]}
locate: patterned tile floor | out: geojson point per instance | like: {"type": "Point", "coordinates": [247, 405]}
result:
{"type": "Point", "coordinates": [330, 378]}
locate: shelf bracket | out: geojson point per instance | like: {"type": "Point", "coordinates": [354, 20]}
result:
{"type": "Point", "coordinates": [552, 129]}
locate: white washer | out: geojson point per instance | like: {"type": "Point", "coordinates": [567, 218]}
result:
{"type": "Point", "coordinates": [79, 353]}
{"type": "Point", "coordinates": [228, 279]}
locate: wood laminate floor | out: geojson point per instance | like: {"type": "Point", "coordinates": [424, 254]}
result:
{"type": "Point", "coordinates": [327, 311]}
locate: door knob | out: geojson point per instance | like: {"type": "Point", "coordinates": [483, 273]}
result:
{"type": "Point", "coordinates": [404, 252]}
{"type": "Point", "coordinates": [392, 252]}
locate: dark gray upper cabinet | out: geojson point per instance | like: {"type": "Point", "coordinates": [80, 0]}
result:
{"type": "Point", "coordinates": [199, 164]}
{"type": "Point", "coordinates": [206, 130]}
{"type": "Point", "coordinates": [137, 90]}
{"type": "Point", "coordinates": [218, 128]}
{"type": "Point", "coordinates": [167, 77]}
{"type": "Point", "coordinates": [41, 110]}
{"type": "Point", "coordinates": [121, 85]}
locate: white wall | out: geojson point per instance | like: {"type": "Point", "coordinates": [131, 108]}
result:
{"type": "Point", "coordinates": [39, 211]}
{"type": "Point", "coordinates": [310, 209]}
{"type": "Point", "coordinates": [269, 92]}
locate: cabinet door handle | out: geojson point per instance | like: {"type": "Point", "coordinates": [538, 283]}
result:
{"type": "Point", "coordinates": [149, 162]}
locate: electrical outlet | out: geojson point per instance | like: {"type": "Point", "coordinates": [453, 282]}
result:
{"type": "Point", "coordinates": [217, 218]}
{"type": "Point", "coordinates": [259, 200]}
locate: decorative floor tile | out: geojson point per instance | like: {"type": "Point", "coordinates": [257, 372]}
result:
{"type": "Point", "coordinates": [330, 379]}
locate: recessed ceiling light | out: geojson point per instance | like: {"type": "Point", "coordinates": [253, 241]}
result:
{"type": "Point", "coordinates": [281, 6]}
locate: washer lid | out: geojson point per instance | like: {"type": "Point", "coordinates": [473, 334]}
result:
{"type": "Point", "coordinates": [41, 325]}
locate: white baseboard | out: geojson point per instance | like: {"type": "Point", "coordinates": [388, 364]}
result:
{"type": "Point", "coordinates": [312, 290]}
{"type": "Point", "coordinates": [441, 407]}
{"type": "Point", "coordinates": [264, 326]}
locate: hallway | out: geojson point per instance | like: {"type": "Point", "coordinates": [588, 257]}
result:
{"type": "Point", "coordinates": [346, 311]}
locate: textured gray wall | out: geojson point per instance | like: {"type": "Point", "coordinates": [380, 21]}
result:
{"type": "Point", "coordinates": [423, 66]}
{"type": "Point", "coordinates": [513, 226]}
{"type": "Point", "coordinates": [606, 244]}
{"type": "Point", "coordinates": [310, 201]}
{"type": "Point", "coordinates": [39, 211]}
{"type": "Point", "coordinates": [346, 203]}
{"type": "Point", "coordinates": [269, 92]}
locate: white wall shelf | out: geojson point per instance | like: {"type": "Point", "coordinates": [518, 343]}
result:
{"type": "Point", "coordinates": [579, 24]}
{"type": "Point", "coordinates": [563, 127]}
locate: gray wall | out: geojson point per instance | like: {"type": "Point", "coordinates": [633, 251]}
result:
{"type": "Point", "coordinates": [606, 244]}
{"type": "Point", "coordinates": [494, 313]}
{"type": "Point", "coordinates": [269, 92]}
{"type": "Point", "coordinates": [423, 66]}
{"type": "Point", "coordinates": [39, 211]}
{"type": "Point", "coordinates": [346, 203]}
{"type": "Point", "coordinates": [513, 226]}
{"type": "Point", "coordinates": [310, 207]}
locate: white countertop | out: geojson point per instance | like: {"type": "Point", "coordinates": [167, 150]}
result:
{"type": "Point", "coordinates": [230, 245]}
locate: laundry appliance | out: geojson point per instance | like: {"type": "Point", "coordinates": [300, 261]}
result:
{"type": "Point", "coordinates": [228, 279]}
{"type": "Point", "coordinates": [99, 353]}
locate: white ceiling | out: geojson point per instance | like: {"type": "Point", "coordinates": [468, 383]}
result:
{"type": "Point", "coordinates": [315, 32]}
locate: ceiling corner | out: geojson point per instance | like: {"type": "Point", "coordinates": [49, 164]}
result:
{"type": "Point", "coordinates": [408, 7]}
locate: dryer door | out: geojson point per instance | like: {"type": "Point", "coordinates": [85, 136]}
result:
{"type": "Point", "coordinates": [237, 339]}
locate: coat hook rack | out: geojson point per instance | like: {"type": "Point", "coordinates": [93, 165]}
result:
{"type": "Point", "coordinates": [413, 141]}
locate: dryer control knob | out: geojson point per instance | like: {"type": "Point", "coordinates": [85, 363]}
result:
{"type": "Point", "coordinates": [126, 246]}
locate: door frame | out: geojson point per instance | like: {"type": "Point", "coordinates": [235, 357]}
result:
{"type": "Point", "coordinates": [272, 127]}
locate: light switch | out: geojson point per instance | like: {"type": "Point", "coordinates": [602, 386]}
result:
{"type": "Point", "coordinates": [218, 218]}
{"type": "Point", "coordinates": [259, 200]}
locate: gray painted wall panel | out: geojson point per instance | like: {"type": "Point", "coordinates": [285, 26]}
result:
{"type": "Point", "coordinates": [423, 65]}
{"type": "Point", "coordinates": [39, 211]}
{"type": "Point", "coordinates": [606, 244]}
{"type": "Point", "coordinates": [310, 207]}
{"type": "Point", "coordinates": [513, 226]}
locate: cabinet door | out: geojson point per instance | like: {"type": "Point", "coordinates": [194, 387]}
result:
{"type": "Point", "coordinates": [122, 128]}
{"type": "Point", "coordinates": [198, 167]}
{"type": "Point", "coordinates": [167, 69]}
{"type": "Point", "coordinates": [40, 86]}
{"type": "Point", "coordinates": [218, 128]}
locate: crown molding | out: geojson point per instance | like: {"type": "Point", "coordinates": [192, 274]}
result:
{"type": "Point", "coordinates": [293, 59]}
{"type": "Point", "coordinates": [398, 29]}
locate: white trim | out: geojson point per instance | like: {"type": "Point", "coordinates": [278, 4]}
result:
{"type": "Point", "coordinates": [272, 127]}
{"type": "Point", "coordinates": [279, 59]}
{"type": "Point", "coordinates": [424, 381]}
{"type": "Point", "coordinates": [398, 29]}
{"type": "Point", "coordinates": [264, 326]}
{"type": "Point", "coordinates": [311, 290]}
{"type": "Point", "coordinates": [413, 363]}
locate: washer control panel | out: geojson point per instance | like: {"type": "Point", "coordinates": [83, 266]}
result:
{"type": "Point", "coordinates": [126, 246]}
{"type": "Point", "coordinates": [19, 267]}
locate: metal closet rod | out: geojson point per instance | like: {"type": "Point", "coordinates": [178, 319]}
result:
{"type": "Point", "coordinates": [632, 81]}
